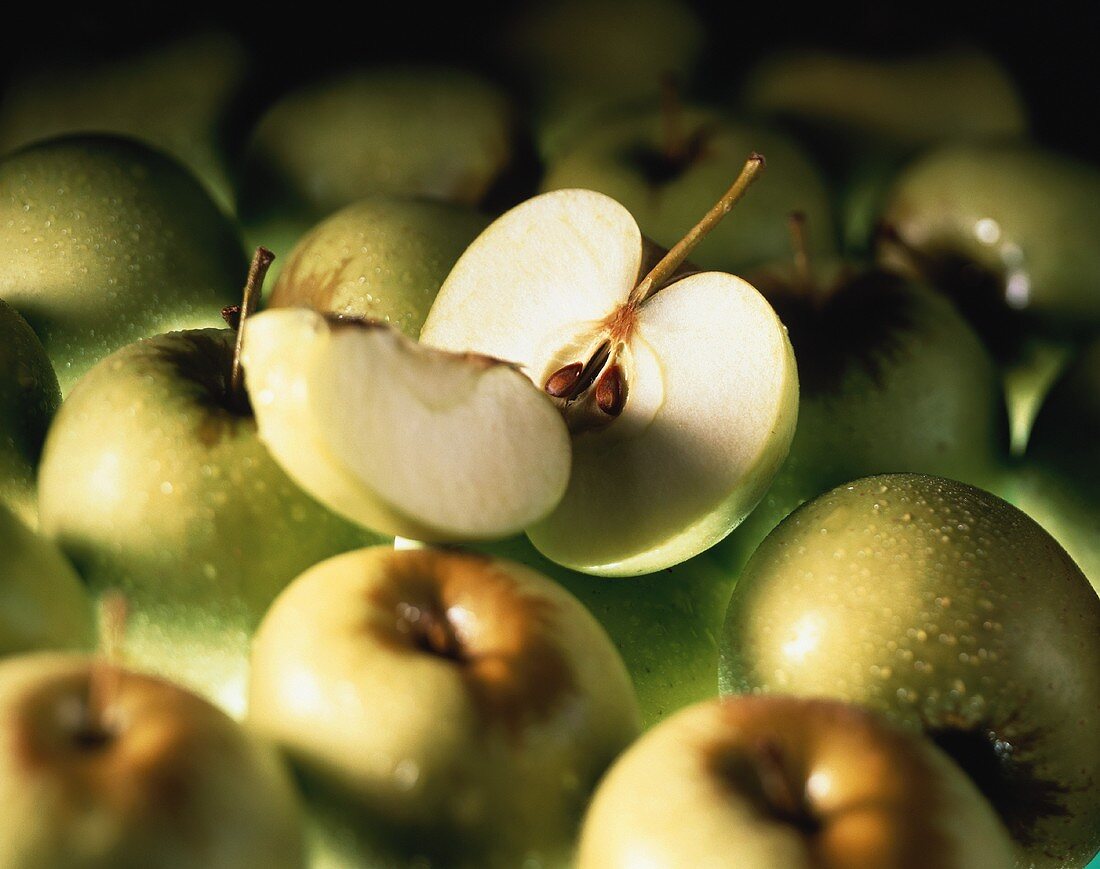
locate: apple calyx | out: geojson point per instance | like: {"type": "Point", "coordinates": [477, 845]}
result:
{"type": "Point", "coordinates": [593, 393]}
{"type": "Point", "coordinates": [237, 317]}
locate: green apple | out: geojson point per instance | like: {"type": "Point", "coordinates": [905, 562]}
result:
{"type": "Point", "coordinates": [382, 258]}
{"type": "Point", "coordinates": [680, 392]}
{"type": "Point", "coordinates": [1005, 231]}
{"type": "Point", "coordinates": [43, 603]}
{"type": "Point", "coordinates": [29, 396]}
{"type": "Point", "coordinates": [665, 625]}
{"type": "Point", "coordinates": [101, 766]}
{"type": "Point", "coordinates": [891, 378]}
{"type": "Point", "coordinates": [781, 783]}
{"type": "Point", "coordinates": [427, 132]}
{"type": "Point", "coordinates": [154, 482]}
{"type": "Point", "coordinates": [580, 58]}
{"type": "Point", "coordinates": [661, 179]}
{"type": "Point", "coordinates": [174, 97]}
{"type": "Point", "coordinates": [1058, 481]}
{"type": "Point", "coordinates": [903, 102]}
{"type": "Point", "coordinates": [455, 709]}
{"type": "Point", "coordinates": [954, 614]}
{"type": "Point", "coordinates": [400, 437]}
{"type": "Point", "coordinates": [104, 241]}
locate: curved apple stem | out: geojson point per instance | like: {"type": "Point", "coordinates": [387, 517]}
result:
{"type": "Point", "coordinates": [253, 288]}
{"type": "Point", "coordinates": [672, 260]}
{"type": "Point", "coordinates": [800, 246]}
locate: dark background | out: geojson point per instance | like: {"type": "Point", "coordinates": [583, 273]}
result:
{"type": "Point", "coordinates": [1052, 49]}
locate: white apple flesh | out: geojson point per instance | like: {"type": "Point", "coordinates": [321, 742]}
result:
{"type": "Point", "coordinates": [401, 438]}
{"type": "Point", "coordinates": [681, 396]}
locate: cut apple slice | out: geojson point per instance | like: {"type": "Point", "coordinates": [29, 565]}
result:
{"type": "Point", "coordinates": [404, 439]}
{"type": "Point", "coordinates": [681, 393]}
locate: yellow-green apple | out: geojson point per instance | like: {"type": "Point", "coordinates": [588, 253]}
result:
{"type": "Point", "coordinates": [400, 437]}
{"type": "Point", "coordinates": [665, 625]}
{"type": "Point", "coordinates": [891, 378]}
{"type": "Point", "coordinates": [451, 708]}
{"type": "Point", "coordinates": [680, 391]}
{"type": "Point", "coordinates": [661, 168]}
{"type": "Point", "coordinates": [779, 783]}
{"type": "Point", "coordinates": [104, 241]}
{"type": "Point", "coordinates": [101, 766]}
{"type": "Point", "coordinates": [421, 132]}
{"type": "Point", "coordinates": [581, 58]}
{"type": "Point", "coordinates": [29, 396]}
{"type": "Point", "coordinates": [382, 258]}
{"type": "Point", "coordinates": [954, 614]}
{"type": "Point", "coordinates": [1058, 481]}
{"type": "Point", "coordinates": [43, 603]}
{"type": "Point", "coordinates": [154, 482]}
{"type": "Point", "coordinates": [175, 97]}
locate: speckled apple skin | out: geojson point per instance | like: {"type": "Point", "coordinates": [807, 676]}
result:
{"type": "Point", "coordinates": [104, 241]}
{"type": "Point", "coordinates": [29, 396]}
{"type": "Point", "coordinates": [948, 610]}
{"type": "Point", "coordinates": [152, 487]}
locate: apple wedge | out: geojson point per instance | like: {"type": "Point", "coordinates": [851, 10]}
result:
{"type": "Point", "coordinates": [404, 439]}
{"type": "Point", "coordinates": [680, 391]}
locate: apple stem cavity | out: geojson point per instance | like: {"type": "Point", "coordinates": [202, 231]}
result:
{"type": "Point", "coordinates": [776, 787]}
{"type": "Point", "coordinates": [672, 260]}
{"type": "Point", "coordinates": [253, 288]}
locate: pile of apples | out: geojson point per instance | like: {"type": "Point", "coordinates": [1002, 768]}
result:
{"type": "Point", "coordinates": [585, 475]}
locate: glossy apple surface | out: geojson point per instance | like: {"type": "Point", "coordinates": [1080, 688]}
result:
{"type": "Point", "coordinates": [780, 782]}
{"type": "Point", "coordinates": [104, 241]}
{"type": "Point", "coordinates": [451, 708]}
{"type": "Point", "coordinates": [952, 613]}
{"type": "Point", "coordinates": [105, 767]}
{"type": "Point", "coordinates": [382, 258]}
{"type": "Point", "coordinates": [29, 396]}
{"type": "Point", "coordinates": [155, 484]}
{"type": "Point", "coordinates": [43, 603]}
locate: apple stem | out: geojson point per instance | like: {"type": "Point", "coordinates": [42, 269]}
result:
{"type": "Point", "coordinates": [800, 245]}
{"type": "Point", "coordinates": [105, 677]}
{"type": "Point", "coordinates": [672, 118]}
{"type": "Point", "coordinates": [672, 260]}
{"type": "Point", "coordinates": [253, 288]}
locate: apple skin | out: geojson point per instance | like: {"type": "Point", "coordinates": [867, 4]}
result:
{"type": "Point", "coordinates": [1006, 231]}
{"type": "Point", "coordinates": [582, 58]}
{"type": "Point", "coordinates": [623, 159]}
{"type": "Point", "coordinates": [337, 140]}
{"type": "Point", "coordinates": [665, 624]}
{"type": "Point", "coordinates": [450, 708]}
{"type": "Point", "coordinates": [891, 378]}
{"type": "Point", "coordinates": [952, 613]}
{"type": "Point", "coordinates": [382, 258]}
{"type": "Point", "coordinates": [29, 396]}
{"type": "Point", "coordinates": [699, 791]}
{"type": "Point", "coordinates": [174, 97]}
{"type": "Point", "coordinates": [104, 241]}
{"type": "Point", "coordinates": [1058, 481]}
{"type": "Point", "coordinates": [904, 103]}
{"type": "Point", "coordinates": [155, 487]}
{"type": "Point", "coordinates": [43, 603]}
{"type": "Point", "coordinates": [171, 782]}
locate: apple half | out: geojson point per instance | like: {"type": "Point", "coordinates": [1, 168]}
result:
{"type": "Point", "coordinates": [680, 391]}
{"type": "Point", "coordinates": [401, 438]}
